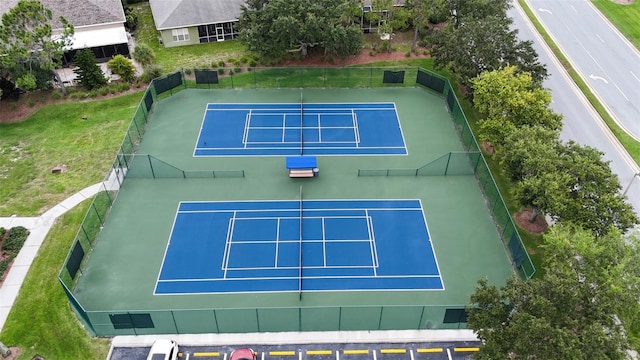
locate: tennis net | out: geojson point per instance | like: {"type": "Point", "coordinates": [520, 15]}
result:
{"type": "Point", "coordinates": [300, 256]}
{"type": "Point", "coordinates": [301, 123]}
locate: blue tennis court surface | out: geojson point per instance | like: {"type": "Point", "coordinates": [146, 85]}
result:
{"type": "Point", "coordinates": [254, 246]}
{"type": "Point", "coordinates": [277, 129]}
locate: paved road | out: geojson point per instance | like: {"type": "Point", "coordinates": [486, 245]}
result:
{"type": "Point", "coordinates": [604, 58]}
{"type": "Point", "coordinates": [581, 123]}
{"type": "Point", "coordinates": [401, 351]}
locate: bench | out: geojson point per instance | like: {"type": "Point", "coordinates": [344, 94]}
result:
{"type": "Point", "coordinates": [301, 173]}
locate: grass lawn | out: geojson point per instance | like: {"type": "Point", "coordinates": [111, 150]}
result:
{"type": "Point", "coordinates": [41, 321]}
{"type": "Point", "coordinates": [191, 56]}
{"type": "Point", "coordinates": [625, 17]}
{"type": "Point", "coordinates": [56, 135]}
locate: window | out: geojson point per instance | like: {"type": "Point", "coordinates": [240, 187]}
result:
{"type": "Point", "coordinates": [180, 34]}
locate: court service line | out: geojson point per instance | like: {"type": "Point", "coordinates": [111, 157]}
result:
{"type": "Point", "coordinates": [371, 244]}
{"type": "Point", "coordinates": [227, 246]}
{"type": "Point", "coordinates": [277, 242]}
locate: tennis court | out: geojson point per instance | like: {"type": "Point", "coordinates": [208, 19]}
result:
{"type": "Point", "coordinates": [208, 238]}
{"type": "Point", "coordinates": [250, 246]}
{"type": "Point", "coordinates": [292, 129]}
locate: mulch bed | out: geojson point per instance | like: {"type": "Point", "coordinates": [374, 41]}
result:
{"type": "Point", "coordinates": [538, 226]}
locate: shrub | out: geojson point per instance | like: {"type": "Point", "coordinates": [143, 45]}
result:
{"type": "Point", "coordinates": [123, 67]}
{"type": "Point", "coordinates": [143, 54]}
{"type": "Point", "coordinates": [104, 91]}
{"type": "Point", "coordinates": [16, 236]}
{"type": "Point", "coordinates": [221, 71]}
{"type": "Point", "coordinates": [151, 72]}
{"type": "Point", "coordinates": [253, 63]}
{"type": "Point", "coordinates": [187, 71]}
{"type": "Point", "coordinates": [56, 95]}
{"type": "Point", "coordinates": [89, 74]}
{"type": "Point", "coordinates": [408, 53]}
{"type": "Point", "coordinates": [221, 63]}
{"type": "Point", "coordinates": [230, 71]}
{"type": "Point", "coordinates": [237, 69]}
{"type": "Point", "coordinates": [232, 61]}
{"type": "Point", "coordinates": [4, 264]}
{"type": "Point", "coordinates": [244, 59]}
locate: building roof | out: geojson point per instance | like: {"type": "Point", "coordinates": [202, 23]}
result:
{"type": "Point", "coordinates": [171, 14]}
{"type": "Point", "coordinates": [78, 12]}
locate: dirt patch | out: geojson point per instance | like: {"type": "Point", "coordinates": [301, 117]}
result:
{"type": "Point", "coordinates": [623, 2]}
{"type": "Point", "coordinates": [365, 56]}
{"type": "Point", "coordinates": [15, 352]}
{"type": "Point", "coordinates": [538, 226]}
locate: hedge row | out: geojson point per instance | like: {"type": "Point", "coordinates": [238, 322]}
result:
{"type": "Point", "coordinates": [12, 241]}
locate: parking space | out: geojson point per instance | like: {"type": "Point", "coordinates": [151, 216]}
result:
{"type": "Point", "coordinates": [405, 351]}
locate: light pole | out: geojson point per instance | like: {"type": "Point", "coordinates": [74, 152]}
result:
{"type": "Point", "coordinates": [630, 182]}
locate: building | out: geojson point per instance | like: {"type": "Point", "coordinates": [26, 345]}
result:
{"type": "Point", "coordinates": [98, 24]}
{"type": "Point", "coordinates": [187, 22]}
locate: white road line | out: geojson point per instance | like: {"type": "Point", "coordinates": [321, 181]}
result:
{"type": "Point", "coordinates": [634, 75]}
{"type": "Point", "coordinates": [599, 38]}
{"type": "Point", "coordinates": [375, 357]}
{"type": "Point", "coordinates": [411, 354]}
{"type": "Point", "coordinates": [449, 354]}
{"type": "Point", "coordinates": [620, 90]}
{"type": "Point", "coordinates": [574, 9]}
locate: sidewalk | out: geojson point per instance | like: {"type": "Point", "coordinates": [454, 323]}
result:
{"type": "Point", "coordinates": [38, 228]}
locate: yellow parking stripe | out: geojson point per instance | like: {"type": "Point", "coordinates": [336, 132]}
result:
{"type": "Point", "coordinates": [466, 349]}
{"type": "Point", "coordinates": [319, 352]}
{"type": "Point", "coordinates": [209, 354]}
{"type": "Point", "coordinates": [431, 350]}
{"type": "Point", "coordinates": [393, 351]}
{"type": "Point", "coordinates": [282, 353]}
{"type": "Point", "coordinates": [355, 352]}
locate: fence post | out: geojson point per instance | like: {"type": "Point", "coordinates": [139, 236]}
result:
{"type": "Point", "coordinates": [153, 174]}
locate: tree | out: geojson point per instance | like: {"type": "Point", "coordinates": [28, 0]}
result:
{"type": "Point", "coordinates": [594, 200]}
{"type": "Point", "coordinates": [581, 308]}
{"type": "Point", "coordinates": [481, 45]}
{"type": "Point", "coordinates": [509, 98]}
{"type": "Point", "coordinates": [27, 44]}
{"type": "Point", "coordinates": [476, 9]}
{"type": "Point", "coordinates": [143, 54]}
{"type": "Point", "coordinates": [274, 28]}
{"type": "Point", "coordinates": [421, 13]}
{"type": "Point", "coordinates": [88, 73]}
{"type": "Point", "coordinates": [389, 16]}
{"type": "Point", "coordinates": [123, 67]}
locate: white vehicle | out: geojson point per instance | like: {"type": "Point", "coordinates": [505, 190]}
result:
{"type": "Point", "coordinates": [163, 349]}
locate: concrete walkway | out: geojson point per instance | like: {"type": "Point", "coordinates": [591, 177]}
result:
{"type": "Point", "coordinates": [38, 228]}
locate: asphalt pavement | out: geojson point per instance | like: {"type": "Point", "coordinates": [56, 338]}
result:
{"type": "Point", "coordinates": [605, 59]}
{"type": "Point", "coordinates": [580, 121]}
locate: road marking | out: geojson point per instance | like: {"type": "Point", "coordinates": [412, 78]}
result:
{"type": "Point", "coordinates": [545, 10]}
{"type": "Point", "coordinates": [208, 354]}
{"type": "Point", "coordinates": [431, 350]}
{"type": "Point", "coordinates": [375, 357]}
{"type": "Point", "coordinates": [355, 352]}
{"type": "Point", "coordinates": [599, 38]}
{"type": "Point", "coordinates": [466, 349]}
{"type": "Point", "coordinates": [574, 9]}
{"type": "Point", "coordinates": [319, 352]}
{"type": "Point", "coordinates": [598, 78]}
{"type": "Point", "coordinates": [634, 75]}
{"type": "Point", "coordinates": [393, 351]}
{"type": "Point", "coordinates": [449, 354]}
{"type": "Point", "coordinates": [411, 354]}
{"type": "Point", "coordinates": [282, 353]}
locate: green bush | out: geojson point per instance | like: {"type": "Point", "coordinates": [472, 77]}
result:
{"type": "Point", "coordinates": [253, 63]}
{"type": "Point", "coordinates": [221, 71]}
{"type": "Point", "coordinates": [104, 90]}
{"type": "Point", "coordinates": [4, 264]}
{"type": "Point", "coordinates": [123, 67]}
{"type": "Point", "coordinates": [244, 59]}
{"type": "Point", "coordinates": [221, 63]}
{"type": "Point", "coordinates": [237, 70]}
{"type": "Point", "coordinates": [16, 236]}
{"type": "Point", "coordinates": [187, 71]}
{"type": "Point", "coordinates": [151, 72]}
{"type": "Point", "coordinates": [232, 61]}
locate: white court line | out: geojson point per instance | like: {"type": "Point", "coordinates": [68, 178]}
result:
{"type": "Point", "coordinates": [374, 248]}
{"type": "Point", "coordinates": [245, 132]}
{"type": "Point", "coordinates": [324, 245]}
{"type": "Point", "coordinates": [284, 126]}
{"type": "Point", "coordinates": [277, 242]}
{"type": "Point", "coordinates": [356, 128]}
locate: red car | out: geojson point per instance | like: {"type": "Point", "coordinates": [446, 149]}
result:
{"type": "Point", "coordinates": [243, 354]}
